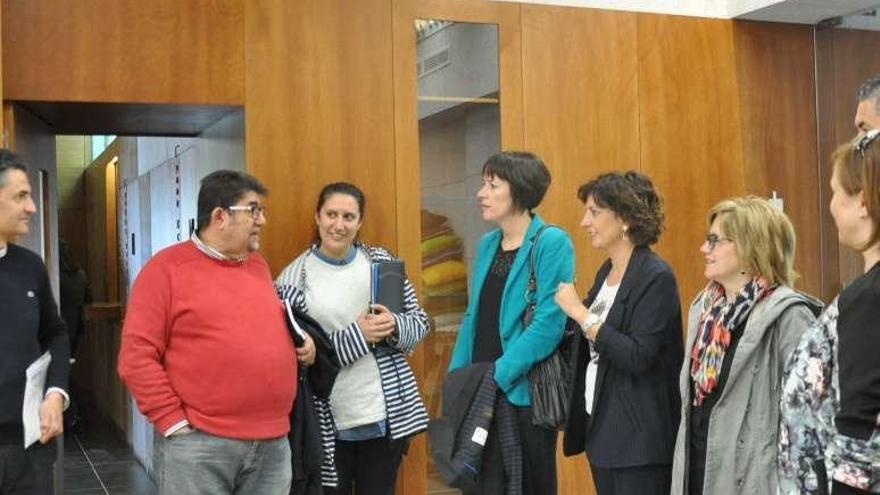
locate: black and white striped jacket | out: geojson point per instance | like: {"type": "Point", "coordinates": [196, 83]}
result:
{"type": "Point", "coordinates": [405, 409]}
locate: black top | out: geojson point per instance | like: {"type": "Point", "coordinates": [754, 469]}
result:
{"type": "Point", "coordinates": [30, 326]}
{"type": "Point", "coordinates": [858, 347]}
{"type": "Point", "coordinates": [638, 405]}
{"type": "Point", "coordinates": [487, 346]}
{"type": "Point", "coordinates": [699, 427]}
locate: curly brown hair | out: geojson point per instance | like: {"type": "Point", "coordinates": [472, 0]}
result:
{"type": "Point", "coordinates": [632, 197]}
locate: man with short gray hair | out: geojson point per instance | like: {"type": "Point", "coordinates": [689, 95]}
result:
{"type": "Point", "coordinates": [30, 326]}
{"type": "Point", "coordinates": [868, 111]}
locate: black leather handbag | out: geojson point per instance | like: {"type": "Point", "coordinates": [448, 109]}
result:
{"type": "Point", "coordinates": [550, 379]}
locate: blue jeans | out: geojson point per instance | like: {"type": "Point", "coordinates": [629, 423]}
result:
{"type": "Point", "coordinates": [200, 463]}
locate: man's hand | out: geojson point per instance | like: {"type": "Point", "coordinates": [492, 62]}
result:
{"type": "Point", "coordinates": [51, 417]}
{"type": "Point", "coordinates": [306, 354]}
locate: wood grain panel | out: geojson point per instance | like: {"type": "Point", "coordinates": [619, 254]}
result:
{"type": "Point", "coordinates": [161, 51]}
{"type": "Point", "coordinates": [826, 140]}
{"type": "Point", "coordinates": [581, 114]}
{"type": "Point", "coordinates": [690, 130]}
{"type": "Point", "coordinates": [319, 109]}
{"type": "Point", "coordinates": [778, 107]}
{"type": "Point", "coordinates": [850, 69]}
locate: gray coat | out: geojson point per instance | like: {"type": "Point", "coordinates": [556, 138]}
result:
{"type": "Point", "coordinates": [743, 429]}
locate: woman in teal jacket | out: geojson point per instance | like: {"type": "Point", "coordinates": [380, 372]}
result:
{"type": "Point", "coordinates": [514, 183]}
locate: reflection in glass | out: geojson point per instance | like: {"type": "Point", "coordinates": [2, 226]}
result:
{"type": "Point", "coordinates": [459, 128]}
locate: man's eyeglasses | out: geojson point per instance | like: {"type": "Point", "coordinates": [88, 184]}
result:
{"type": "Point", "coordinates": [865, 140]}
{"type": "Point", "coordinates": [712, 240]}
{"type": "Point", "coordinates": [253, 210]}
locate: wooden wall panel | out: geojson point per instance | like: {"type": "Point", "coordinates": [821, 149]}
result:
{"type": "Point", "coordinates": [690, 131]}
{"type": "Point", "coordinates": [161, 51]}
{"type": "Point", "coordinates": [581, 114]}
{"type": "Point", "coordinates": [778, 108]}
{"type": "Point", "coordinates": [841, 68]}
{"type": "Point", "coordinates": [319, 109]}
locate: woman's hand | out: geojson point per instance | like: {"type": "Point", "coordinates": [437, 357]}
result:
{"type": "Point", "coordinates": [378, 325]}
{"type": "Point", "coordinates": [570, 302]}
{"type": "Point", "coordinates": [306, 353]}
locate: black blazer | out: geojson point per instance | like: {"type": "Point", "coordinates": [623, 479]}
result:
{"type": "Point", "coordinates": [636, 402]}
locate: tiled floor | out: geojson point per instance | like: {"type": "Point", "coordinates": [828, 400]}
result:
{"type": "Point", "coordinates": [96, 462]}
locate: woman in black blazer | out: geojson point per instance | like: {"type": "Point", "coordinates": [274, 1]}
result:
{"type": "Point", "coordinates": [624, 405]}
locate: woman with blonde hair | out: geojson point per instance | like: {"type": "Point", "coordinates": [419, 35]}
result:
{"type": "Point", "coordinates": [741, 328]}
{"type": "Point", "coordinates": [830, 430]}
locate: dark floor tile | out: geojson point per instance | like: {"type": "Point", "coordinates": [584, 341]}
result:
{"type": "Point", "coordinates": [134, 491]}
{"type": "Point", "coordinates": [87, 491]}
{"type": "Point", "coordinates": [109, 455]}
{"type": "Point", "coordinates": [122, 474]}
{"type": "Point", "coordinates": [80, 478]}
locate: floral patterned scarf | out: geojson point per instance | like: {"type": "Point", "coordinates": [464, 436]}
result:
{"type": "Point", "coordinates": [713, 331]}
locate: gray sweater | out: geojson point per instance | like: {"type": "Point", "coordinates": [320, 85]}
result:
{"type": "Point", "coordinates": [744, 426]}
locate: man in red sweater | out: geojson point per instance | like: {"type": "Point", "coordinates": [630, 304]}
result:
{"type": "Point", "coordinates": [206, 353]}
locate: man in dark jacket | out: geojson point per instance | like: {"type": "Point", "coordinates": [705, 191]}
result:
{"type": "Point", "coordinates": [30, 326]}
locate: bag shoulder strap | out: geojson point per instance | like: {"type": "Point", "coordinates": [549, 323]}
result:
{"type": "Point", "coordinates": [533, 282]}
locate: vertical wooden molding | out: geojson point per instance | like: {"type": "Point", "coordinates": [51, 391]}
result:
{"type": "Point", "coordinates": [777, 91]}
{"type": "Point", "coordinates": [406, 137]}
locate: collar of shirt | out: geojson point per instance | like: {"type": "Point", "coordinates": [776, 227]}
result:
{"type": "Point", "coordinates": [3, 250]}
{"type": "Point", "coordinates": [213, 253]}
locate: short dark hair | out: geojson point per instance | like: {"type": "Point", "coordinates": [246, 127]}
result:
{"type": "Point", "coordinates": [222, 189]}
{"type": "Point", "coordinates": [340, 188]}
{"type": "Point", "coordinates": [632, 197]}
{"type": "Point", "coordinates": [10, 161]}
{"type": "Point", "coordinates": [525, 172]}
{"type": "Point", "coordinates": [870, 89]}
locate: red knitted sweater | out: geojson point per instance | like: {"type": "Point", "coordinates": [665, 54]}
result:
{"type": "Point", "coordinates": [205, 340]}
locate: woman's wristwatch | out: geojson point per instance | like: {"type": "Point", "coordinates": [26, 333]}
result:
{"type": "Point", "coordinates": [592, 319]}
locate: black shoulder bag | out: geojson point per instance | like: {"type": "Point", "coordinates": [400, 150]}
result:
{"type": "Point", "coordinates": [550, 379]}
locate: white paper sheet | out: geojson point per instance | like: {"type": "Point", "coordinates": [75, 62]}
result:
{"type": "Point", "coordinates": [33, 398]}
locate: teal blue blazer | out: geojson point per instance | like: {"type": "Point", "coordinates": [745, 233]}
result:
{"type": "Point", "coordinates": [521, 347]}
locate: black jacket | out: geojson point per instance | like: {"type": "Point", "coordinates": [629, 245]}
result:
{"type": "Point", "coordinates": [306, 448]}
{"type": "Point", "coordinates": [636, 402]}
{"type": "Point", "coordinates": [472, 406]}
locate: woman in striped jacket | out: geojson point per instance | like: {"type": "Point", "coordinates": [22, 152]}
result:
{"type": "Point", "coordinates": [375, 404]}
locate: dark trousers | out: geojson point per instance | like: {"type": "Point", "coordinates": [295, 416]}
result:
{"type": "Point", "coordinates": [26, 472]}
{"type": "Point", "coordinates": [367, 467]}
{"type": "Point", "coordinates": [838, 488]}
{"type": "Point", "coordinates": [643, 480]}
{"type": "Point", "coordinates": [538, 457]}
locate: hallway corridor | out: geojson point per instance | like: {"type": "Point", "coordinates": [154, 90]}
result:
{"type": "Point", "coordinates": [97, 462]}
